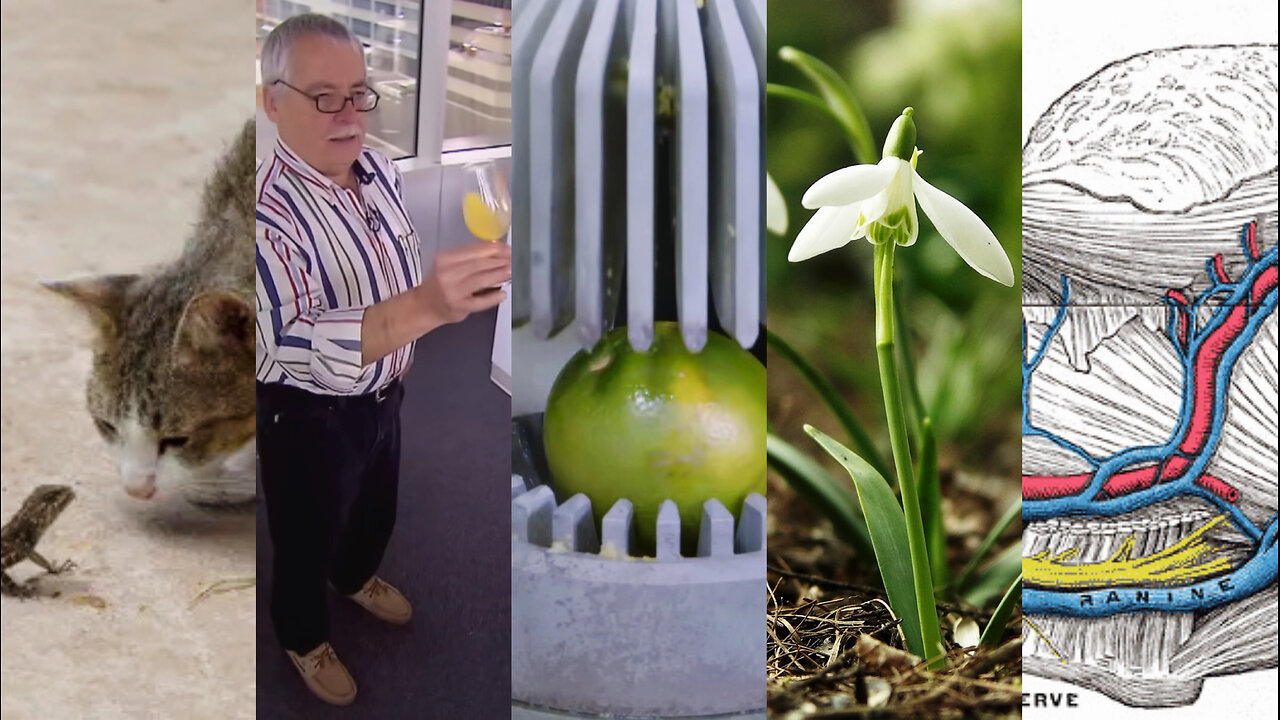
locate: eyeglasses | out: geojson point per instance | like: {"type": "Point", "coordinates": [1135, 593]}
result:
{"type": "Point", "coordinates": [330, 104]}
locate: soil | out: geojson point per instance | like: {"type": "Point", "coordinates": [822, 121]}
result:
{"type": "Point", "coordinates": [824, 597]}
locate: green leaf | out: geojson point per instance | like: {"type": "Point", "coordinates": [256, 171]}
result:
{"type": "Point", "coordinates": [817, 487]}
{"type": "Point", "coordinates": [909, 362]}
{"type": "Point", "coordinates": [1014, 512]}
{"type": "Point", "coordinates": [996, 577]}
{"type": "Point", "coordinates": [839, 96]}
{"type": "Point", "coordinates": [888, 530]}
{"type": "Point", "coordinates": [808, 99]}
{"type": "Point", "coordinates": [831, 398]}
{"type": "Point", "coordinates": [1000, 618]}
{"type": "Point", "coordinates": [935, 531]}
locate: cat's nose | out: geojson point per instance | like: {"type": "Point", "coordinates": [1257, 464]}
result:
{"type": "Point", "coordinates": [142, 491]}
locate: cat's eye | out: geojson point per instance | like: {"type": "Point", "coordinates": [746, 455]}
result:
{"type": "Point", "coordinates": [107, 430]}
{"type": "Point", "coordinates": [172, 443]}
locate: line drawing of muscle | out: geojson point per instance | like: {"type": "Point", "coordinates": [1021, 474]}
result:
{"type": "Point", "coordinates": [1150, 375]}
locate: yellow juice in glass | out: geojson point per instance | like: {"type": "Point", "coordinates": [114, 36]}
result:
{"type": "Point", "coordinates": [484, 222]}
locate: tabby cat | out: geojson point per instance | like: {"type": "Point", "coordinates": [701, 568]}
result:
{"type": "Point", "coordinates": [172, 384]}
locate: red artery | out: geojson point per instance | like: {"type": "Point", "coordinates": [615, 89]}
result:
{"type": "Point", "coordinates": [1204, 368]}
{"type": "Point", "coordinates": [1048, 487]}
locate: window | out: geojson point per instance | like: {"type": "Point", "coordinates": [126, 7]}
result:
{"type": "Point", "coordinates": [478, 83]}
{"type": "Point", "coordinates": [468, 104]}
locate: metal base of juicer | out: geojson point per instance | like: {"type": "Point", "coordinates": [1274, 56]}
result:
{"type": "Point", "coordinates": [598, 631]}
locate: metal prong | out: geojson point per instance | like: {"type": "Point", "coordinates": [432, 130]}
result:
{"type": "Point", "coordinates": [618, 529]}
{"type": "Point", "coordinates": [751, 525]}
{"type": "Point", "coordinates": [715, 537]}
{"type": "Point", "coordinates": [642, 81]}
{"type": "Point", "coordinates": [573, 525]}
{"type": "Point", "coordinates": [668, 531]}
{"type": "Point", "coordinates": [531, 516]}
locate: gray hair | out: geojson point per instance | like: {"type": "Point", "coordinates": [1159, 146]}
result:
{"type": "Point", "coordinates": [275, 51]}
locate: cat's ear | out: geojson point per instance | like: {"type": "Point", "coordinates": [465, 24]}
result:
{"type": "Point", "coordinates": [215, 322]}
{"type": "Point", "coordinates": [102, 297]}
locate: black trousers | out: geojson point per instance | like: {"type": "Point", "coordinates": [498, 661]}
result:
{"type": "Point", "coordinates": [330, 469]}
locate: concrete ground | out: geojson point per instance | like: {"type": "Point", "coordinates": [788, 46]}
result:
{"type": "Point", "coordinates": [112, 117]}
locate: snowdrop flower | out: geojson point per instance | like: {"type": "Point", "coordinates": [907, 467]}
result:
{"type": "Point", "coordinates": [878, 202]}
{"type": "Point", "coordinates": [775, 207]}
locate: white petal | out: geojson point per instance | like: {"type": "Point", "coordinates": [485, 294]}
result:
{"type": "Point", "coordinates": [850, 185]}
{"type": "Point", "coordinates": [964, 231]}
{"type": "Point", "coordinates": [775, 207]}
{"type": "Point", "coordinates": [873, 208]}
{"type": "Point", "coordinates": [898, 195]}
{"type": "Point", "coordinates": [828, 229]}
{"type": "Point", "coordinates": [915, 224]}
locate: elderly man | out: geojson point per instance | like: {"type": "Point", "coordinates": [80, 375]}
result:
{"type": "Point", "coordinates": [341, 299]}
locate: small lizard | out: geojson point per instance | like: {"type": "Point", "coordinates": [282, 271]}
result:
{"type": "Point", "coordinates": [19, 536]}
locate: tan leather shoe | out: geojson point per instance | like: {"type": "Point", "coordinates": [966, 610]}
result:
{"type": "Point", "coordinates": [384, 602]}
{"type": "Point", "coordinates": [325, 675]}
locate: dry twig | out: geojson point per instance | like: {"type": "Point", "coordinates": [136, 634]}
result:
{"type": "Point", "coordinates": [816, 671]}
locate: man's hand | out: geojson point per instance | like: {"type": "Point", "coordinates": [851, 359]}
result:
{"type": "Point", "coordinates": [456, 286]}
{"type": "Point", "coordinates": [447, 295]}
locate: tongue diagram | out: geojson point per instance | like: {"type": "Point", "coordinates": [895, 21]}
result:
{"type": "Point", "coordinates": [1150, 376]}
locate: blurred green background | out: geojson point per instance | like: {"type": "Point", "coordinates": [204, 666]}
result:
{"type": "Point", "coordinates": [959, 65]}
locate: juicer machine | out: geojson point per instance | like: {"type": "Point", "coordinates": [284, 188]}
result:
{"type": "Point", "coordinates": [638, 197]}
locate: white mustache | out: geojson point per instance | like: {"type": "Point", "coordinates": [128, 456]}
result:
{"type": "Point", "coordinates": [344, 133]}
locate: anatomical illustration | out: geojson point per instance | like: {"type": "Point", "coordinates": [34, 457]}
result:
{"type": "Point", "coordinates": [1150, 376]}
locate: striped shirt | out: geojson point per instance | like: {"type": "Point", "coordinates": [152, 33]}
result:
{"type": "Point", "coordinates": [323, 255]}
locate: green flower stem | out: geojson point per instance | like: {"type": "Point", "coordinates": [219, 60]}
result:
{"type": "Point", "coordinates": [921, 569]}
{"type": "Point", "coordinates": [927, 467]}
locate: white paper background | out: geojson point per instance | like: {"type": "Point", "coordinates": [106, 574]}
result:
{"type": "Point", "coordinates": [1065, 42]}
{"type": "Point", "coordinates": [1062, 44]}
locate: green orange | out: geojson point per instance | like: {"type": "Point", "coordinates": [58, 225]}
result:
{"type": "Point", "coordinates": [661, 424]}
